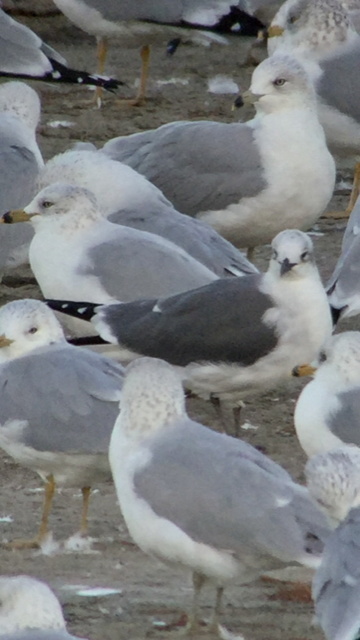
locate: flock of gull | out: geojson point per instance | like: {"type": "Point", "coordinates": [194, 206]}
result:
{"type": "Point", "coordinates": [147, 298]}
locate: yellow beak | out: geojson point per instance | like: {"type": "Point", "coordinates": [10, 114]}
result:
{"type": "Point", "coordinates": [274, 31]}
{"type": "Point", "coordinates": [303, 370]}
{"type": "Point", "coordinates": [249, 97]}
{"type": "Point", "coordinates": [4, 341]}
{"type": "Point", "coordinates": [17, 215]}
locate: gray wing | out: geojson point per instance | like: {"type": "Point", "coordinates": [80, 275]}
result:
{"type": "Point", "coordinates": [20, 49]}
{"type": "Point", "coordinates": [197, 238]}
{"type": "Point", "coordinates": [140, 265]}
{"type": "Point", "coordinates": [69, 397]}
{"type": "Point", "coordinates": [352, 232]}
{"type": "Point", "coordinates": [222, 492]}
{"type": "Point", "coordinates": [343, 289]}
{"type": "Point", "coordinates": [345, 423]}
{"type": "Point", "coordinates": [221, 322]}
{"type": "Point", "coordinates": [199, 166]}
{"type": "Point", "coordinates": [339, 84]}
{"type": "Point", "coordinates": [336, 585]}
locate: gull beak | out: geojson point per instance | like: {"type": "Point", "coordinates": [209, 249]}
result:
{"type": "Point", "coordinates": [4, 341]}
{"type": "Point", "coordinates": [274, 31]}
{"type": "Point", "coordinates": [248, 97]}
{"type": "Point", "coordinates": [17, 215]}
{"type": "Point", "coordinates": [303, 370]}
{"type": "Point", "coordinates": [286, 266]}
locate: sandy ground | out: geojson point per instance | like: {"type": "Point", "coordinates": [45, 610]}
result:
{"type": "Point", "coordinates": [151, 594]}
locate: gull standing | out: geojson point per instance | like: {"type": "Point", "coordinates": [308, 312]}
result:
{"type": "Point", "coordinates": [58, 404]}
{"type": "Point", "coordinates": [249, 181]}
{"type": "Point", "coordinates": [233, 337]}
{"type": "Point", "coordinates": [327, 413]}
{"type": "Point", "coordinates": [333, 480]}
{"type": "Point", "coordinates": [202, 500]}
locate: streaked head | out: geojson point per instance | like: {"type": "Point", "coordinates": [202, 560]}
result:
{"type": "Point", "coordinates": [333, 481]}
{"type": "Point", "coordinates": [152, 397]}
{"type": "Point", "coordinates": [26, 325]}
{"type": "Point", "coordinates": [26, 603]}
{"type": "Point", "coordinates": [311, 27]}
{"type": "Point", "coordinates": [292, 254]}
{"type": "Point", "coordinates": [280, 83]}
{"type": "Point", "coordinates": [20, 100]}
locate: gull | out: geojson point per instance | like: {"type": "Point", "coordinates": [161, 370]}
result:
{"type": "Point", "coordinates": [125, 197]}
{"type": "Point", "coordinates": [29, 610]}
{"type": "Point", "coordinates": [343, 286]}
{"type": "Point", "coordinates": [24, 55]}
{"type": "Point", "coordinates": [233, 337]}
{"type": "Point", "coordinates": [327, 411]}
{"type": "Point", "coordinates": [58, 405]}
{"type": "Point", "coordinates": [333, 480]}
{"type": "Point", "coordinates": [248, 180]}
{"type": "Point", "coordinates": [77, 254]}
{"type": "Point", "coordinates": [109, 18]}
{"type": "Point", "coordinates": [20, 163]}
{"type": "Point", "coordinates": [321, 35]}
{"type": "Point", "coordinates": [202, 500]}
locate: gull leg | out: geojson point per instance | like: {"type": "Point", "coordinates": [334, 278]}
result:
{"type": "Point", "coordinates": [355, 191]}
{"type": "Point", "coordinates": [101, 56]}
{"type": "Point", "coordinates": [216, 403]}
{"type": "Point", "coordinates": [86, 491]}
{"type": "Point", "coordinates": [250, 253]}
{"type": "Point", "coordinates": [43, 528]}
{"type": "Point", "coordinates": [145, 62]}
{"type": "Point", "coordinates": [236, 415]}
{"type": "Point", "coordinates": [214, 622]}
{"type": "Point", "coordinates": [193, 625]}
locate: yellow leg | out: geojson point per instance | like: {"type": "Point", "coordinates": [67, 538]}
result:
{"type": "Point", "coordinates": [250, 254]}
{"type": "Point", "coordinates": [101, 57]}
{"type": "Point", "coordinates": [86, 491]}
{"type": "Point", "coordinates": [140, 97]}
{"type": "Point", "coordinates": [43, 528]}
{"type": "Point", "coordinates": [355, 191]}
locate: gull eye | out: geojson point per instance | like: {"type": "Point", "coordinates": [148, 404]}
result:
{"type": "Point", "coordinates": [304, 255]}
{"type": "Point", "coordinates": [46, 204]}
{"type": "Point", "coordinates": [33, 330]}
{"type": "Point", "coordinates": [292, 19]}
{"type": "Point", "coordinates": [322, 356]}
{"type": "Point", "coordinates": [279, 82]}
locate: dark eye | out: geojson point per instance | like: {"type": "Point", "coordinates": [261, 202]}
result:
{"type": "Point", "coordinates": [292, 19]}
{"type": "Point", "coordinates": [322, 356]}
{"type": "Point", "coordinates": [304, 255]}
{"type": "Point", "coordinates": [33, 330]}
{"type": "Point", "coordinates": [46, 204]}
{"type": "Point", "coordinates": [279, 82]}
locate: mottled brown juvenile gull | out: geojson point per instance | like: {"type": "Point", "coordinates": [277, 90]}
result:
{"type": "Point", "coordinates": [125, 197]}
{"type": "Point", "coordinates": [320, 34]}
{"type": "Point", "coordinates": [20, 163]}
{"type": "Point", "coordinates": [77, 254]}
{"type": "Point", "coordinates": [24, 55]}
{"type": "Point", "coordinates": [344, 285]}
{"type": "Point", "coordinates": [248, 180]}
{"type": "Point", "coordinates": [233, 337]}
{"type": "Point", "coordinates": [333, 480]}
{"type": "Point", "coordinates": [58, 404]}
{"type": "Point", "coordinates": [202, 500]}
{"type": "Point", "coordinates": [29, 610]}
{"type": "Point", "coordinates": [327, 412]}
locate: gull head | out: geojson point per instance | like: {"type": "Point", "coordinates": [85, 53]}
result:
{"type": "Point", "coordinates": [60, 202]}
{"type": "Point", "coordinates": [20, 100]}
{"type": "Point", "coordinates": [152, 397]}
{"type": "Point", "coordinates": [280, 83]}
{"type": "Point", "coordinates": [333, 481]}
{"type": "Point", "coordinates": [26, 603]}
{"type": "Point", "coordinates": [292, 255]}
{"type": "Point", "coordinates": [338, 364]}
{"type": "Point", "coordinates": [26, 325]}
{"type": "Point", "coordinates": [310, 27]}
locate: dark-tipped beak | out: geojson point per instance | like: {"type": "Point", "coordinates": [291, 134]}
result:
{"type": "Point", "coordinates": [238, 102]}
{"type": "Point", "coordinates": [303, 370]}
{"type": "Point", "coordinates": [286, 266]}
{"type": "Point", "coordinates": [4, 341]}
{"type": "Point", "coordinates": [17, 215]}
{"type": "Point", "coordinates": [274, 31]}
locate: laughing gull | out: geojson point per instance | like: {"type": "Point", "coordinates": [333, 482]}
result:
{"type": "Point", "coordinates": [203, 500]}
{"type": "Point", "coordinates": [24, 55]}
{"type": "Point", "coordinates": [248, 180]}
{"type": "Point", "coordinates": [125, 197]}
{"type": "Point", "coordinates": [327, 412]}
{"type": "Point", "coordinates": [29, 610]}
{"type": "Point", "coordinates": [58, 405]}
{"type": "Point", "coordinates": [333, 480]}
{"type": "Point", "coordinates": [320, 34]}
{"type": "Point", "coordinates": [232, 337]}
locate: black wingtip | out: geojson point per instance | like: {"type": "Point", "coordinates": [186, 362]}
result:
{"type": "Point", "coordinates": [172, 46]}
{"type": "Point", "coordinates": [82, 310]}
{"type": "Point", "coordinates": [336, 313]}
